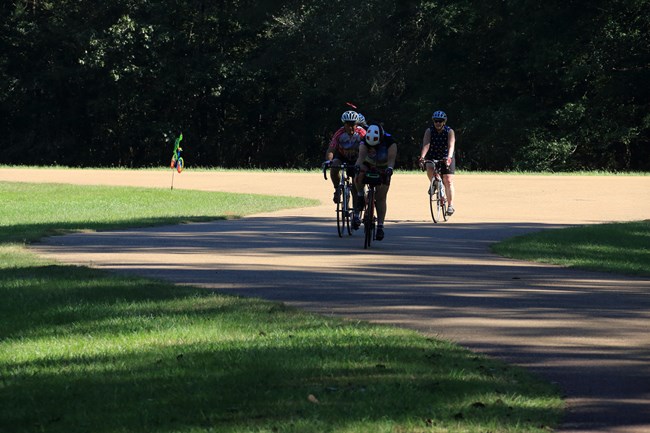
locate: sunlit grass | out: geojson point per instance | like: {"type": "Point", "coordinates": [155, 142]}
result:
{"type": "Point", "coordinates": [30, 211]}
{"type": "Point", "coordinates": [618, 247]}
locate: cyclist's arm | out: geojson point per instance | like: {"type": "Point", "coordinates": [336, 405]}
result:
{"type": "Point", "coordinates": [331, 149]}
{"type": "Point", "coordinates": [392, 155]}
{"type": "Point", "coordinates": [426, 142]}
{"type": "Point", "coordinates": [451, 141]}
{"type": "Point", "coordinates": [335, 138]}
{"type": "Point", "coordinates": [363, 153]}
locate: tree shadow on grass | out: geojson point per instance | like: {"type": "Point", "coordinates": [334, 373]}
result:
{"type": "Point", "coordinates": [272, 372]}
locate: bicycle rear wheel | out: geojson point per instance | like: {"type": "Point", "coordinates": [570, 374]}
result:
{"type": "Point", "coordinates": [369, 219]}
{"type": "Point", "coordinates": [434, 199]}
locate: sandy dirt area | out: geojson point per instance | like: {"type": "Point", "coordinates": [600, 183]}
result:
{"type": "Point", "coordinates": [480, 198]}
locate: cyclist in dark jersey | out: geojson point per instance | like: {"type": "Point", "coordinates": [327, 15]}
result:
{"type": "Point", "coordinates": [377, 153]}
{"type": "Point", "coordinates": [439, 143]}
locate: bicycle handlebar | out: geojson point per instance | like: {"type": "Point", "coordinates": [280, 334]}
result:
{"type": "Point", "coordinates": [343, 166]}
{"type": "Point", "coordinates": [434, 162]}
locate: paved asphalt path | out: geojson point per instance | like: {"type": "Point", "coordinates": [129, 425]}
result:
{"type": "Point", "coordinates": [587, 331]}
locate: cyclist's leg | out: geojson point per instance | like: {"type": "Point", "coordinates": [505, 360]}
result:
{"type": "Point", "coordinates": [429, 168]}
{"type": "Point", "coordinates": [358, 185]}
{"type": "Point", "coordinates": [381, 191]}
{"type": "Point", "coordinates": [353, 193]}
{"type": "Point", "coordinates": [335, 176]}
{"type": "Point", "coordinates": [448, 180]}
{"type": "Point", "coordinates": [430, 172]}
{"type": "Point", "coordinates": [359, 199]}
{"type": "Point", "coordinates": [335, 172]}
{"type": "Point", "coordinates": [350, 175]}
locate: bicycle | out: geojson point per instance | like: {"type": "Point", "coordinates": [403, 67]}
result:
{"type": "Point", "coordinates": [372, 179]}
{"type": "Point", "coordinates": [437, 193]}
{"type": "Point", "coordinates": [344, 191]}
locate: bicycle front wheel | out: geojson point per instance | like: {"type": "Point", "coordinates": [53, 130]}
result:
{"type": "Point", "coordinates": [340, 217]}
{"type": "Point", "coordinates": [347, 210]}
{"type": "Point", "coordinates": [369, 219]}
{"type": "Point", "coordinates": [434, 200]}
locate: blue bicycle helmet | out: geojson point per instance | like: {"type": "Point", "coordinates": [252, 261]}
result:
{"type": "Point", "coordinates": [439, 115]}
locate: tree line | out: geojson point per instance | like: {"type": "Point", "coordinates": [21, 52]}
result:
{"type": "Point", "coordinates": [527, 85]}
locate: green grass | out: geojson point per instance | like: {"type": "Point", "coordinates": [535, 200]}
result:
{"type": "Point", "coordinates": [617, 247]}
{"type": "Point", "coordinates": [30, 211]}
{"type": "Point", "coordinates": [86, 350]}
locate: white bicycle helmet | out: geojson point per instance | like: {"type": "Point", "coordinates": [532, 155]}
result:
{"type": "Point", "coordinates": [439, 115]}
{"type": "Point", "coordinates": [374, 134]}
{"type": "Point", "coordinates": [350, 116]}
{"type": "Point", "coordinates": [362, 120]}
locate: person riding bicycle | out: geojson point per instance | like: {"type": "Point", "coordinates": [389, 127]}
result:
{"type": "Point", "coordinates": [377, 153]}
{"type": "Point", "coordinates": [344, 148]}
{"type": "Point", "coordinates": [362, 121]}
{"type": "Point", "coordinates": [439, 143]}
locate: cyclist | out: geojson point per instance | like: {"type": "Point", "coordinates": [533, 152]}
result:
{"type": "Point", "coordinates": [439, 143]}
{"type": "Point", "coordinates": [377, 152]}
{"type": "Point", "coordinates": [362, 121]}
{"type": "Point", "coordinates": [344, 147]}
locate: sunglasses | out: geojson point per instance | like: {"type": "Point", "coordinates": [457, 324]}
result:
{"type": "Point", "coordinates": [438, 120]}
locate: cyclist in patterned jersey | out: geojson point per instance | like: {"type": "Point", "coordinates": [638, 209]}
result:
{"type": "Point", "coordinates": [439, 143]}
{"type": "Point", "coordinates": [377, 152]}
{"type": "Point", "coordinates": [344, 147]}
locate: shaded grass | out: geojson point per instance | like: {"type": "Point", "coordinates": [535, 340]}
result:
{"type": "Point", "coordinates": [617, 247]}
{"type": "Point", "coordinates": [86, 350]}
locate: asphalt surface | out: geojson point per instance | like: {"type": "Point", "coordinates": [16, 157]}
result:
{"type": "Point", "coordinates": [586, 331]}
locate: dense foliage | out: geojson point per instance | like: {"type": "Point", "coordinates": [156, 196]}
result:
{"type": "Point", "coordinates": [527, 85]}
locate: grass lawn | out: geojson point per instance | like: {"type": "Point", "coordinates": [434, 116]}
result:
{"type": "Point", "coordinates": [618, 247]}
{"type": "Point", "coordinates": [86, 350]}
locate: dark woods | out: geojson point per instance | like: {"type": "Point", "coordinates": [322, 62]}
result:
{"type": "Point", "coordinates": [527, 85]}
